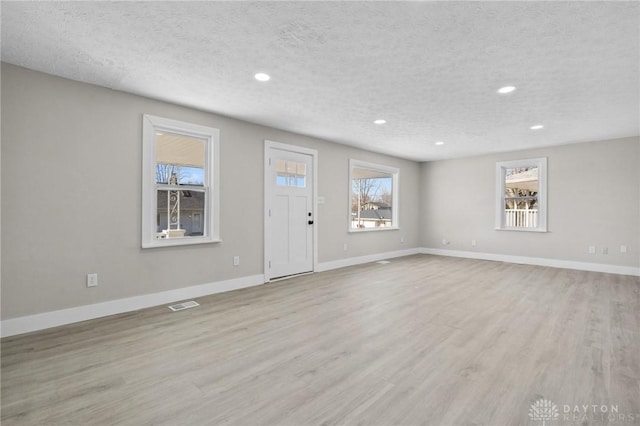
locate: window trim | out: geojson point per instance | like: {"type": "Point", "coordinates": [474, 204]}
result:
{"type": "Point", "coordinates": [395, 172]}
{"type": "Point", "coordinates": [501, 166]}
{"type": "Point", "coordinates": [211, 226]}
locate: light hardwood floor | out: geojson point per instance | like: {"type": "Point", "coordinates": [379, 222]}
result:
{"type": "Point", "coordinates": [421, 340]}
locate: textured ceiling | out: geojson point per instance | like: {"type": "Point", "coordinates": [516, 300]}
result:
{"type": "Point", "coordinates": [431, 69]}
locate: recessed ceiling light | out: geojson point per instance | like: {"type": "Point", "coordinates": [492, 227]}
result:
{"type": "Point", "coordinates": [262, 77]}
{"type": "Point", "coordinates": [439, 143]}
{"type": "Point", "coordinates": [506, 89]}
{"type": "Point", "coordinates": [380, 121]}
{"type": "Point", "coordinates": [537, 127]}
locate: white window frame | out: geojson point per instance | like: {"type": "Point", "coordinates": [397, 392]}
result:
{"type": "Point", "coordinates": [501, 167]}
{"type": "Point", "coordinates": [395, 173]}
{"type": "Point", "coordinates": [211, 232]}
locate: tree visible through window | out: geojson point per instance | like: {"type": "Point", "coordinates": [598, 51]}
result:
{"type": "Point", "coordinates": [373, 196]}
{"type": "Point", "coordinates": [180, 185]}
{"type": "Point", "coordinates": [521, 195]}
{"type": "Point", "coordinates": [180, 170]}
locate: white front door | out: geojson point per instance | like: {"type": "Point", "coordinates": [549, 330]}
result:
{"type": "Point", "coordinates": [289, 210]}
{"type": "Point", "coordinates": [196, 223]}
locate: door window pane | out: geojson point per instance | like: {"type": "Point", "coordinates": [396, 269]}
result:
{"type": "Point", "coordinates": [291, 173]}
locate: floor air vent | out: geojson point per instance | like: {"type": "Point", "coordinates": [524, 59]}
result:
{"type": "Point", "coordinates": [183, 305]}
{"type": "Point", "coordinates": [383, 262]}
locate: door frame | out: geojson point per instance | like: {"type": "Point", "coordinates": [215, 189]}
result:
{"type": "Point", "coordinates": [268, 185]}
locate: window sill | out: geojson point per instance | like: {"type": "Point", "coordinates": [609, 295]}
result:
{"type": "Point", "coordinates": [391, 228]}
{"type": "Point", "coordinates": [523, 230]}
{"type": "Point", "coordinates": [188, 241]}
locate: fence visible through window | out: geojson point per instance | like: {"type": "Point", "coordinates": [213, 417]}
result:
{"type": "Point", "coordinates": [521, 197]}
{"type": "Point", "coordinates": [521, 218]}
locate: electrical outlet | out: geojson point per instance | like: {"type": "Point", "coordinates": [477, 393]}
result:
{"type": "Point", "coordinates": [92, 280]}
{"type": "Point", "coordinates": [473, 243]}
{"type": "Point", "coordinates": [445, 242]}
{"type": "Point", "coordinates": [236, 260]}
{"type": "Point", "coordinates": [605, 250]}
{"type": "Point", "coordinates": [623, 249]}
{"type": "Point", "coordinates": [592, 249]}
{"type": "Point", "coordinates": [344, 247]}
{"type": "Point", "coordinates": [401, 240]}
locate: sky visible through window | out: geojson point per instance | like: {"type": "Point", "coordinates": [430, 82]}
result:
{"type": "Point", "coordinates": [379, 186]}
{"type": "Point", "coordinates": [191, 176]}
{"type": "Point", "coordinates": [384, 185]}
{"type": "Point", "coordinates": [186, 175]}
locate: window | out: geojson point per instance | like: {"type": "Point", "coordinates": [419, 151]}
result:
{"type": "Point", "coordinates": [522, 195]}
{"type": "Point", "coordinates": [373, 198]}
{"type": "Point", "coordinates": [291, 173]}
{"type": "Point", "coordinates": [179, 183]}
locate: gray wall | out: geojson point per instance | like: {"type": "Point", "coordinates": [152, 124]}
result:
{"type": "Point", "coordinates": [71, 191]}
{"type": "Point", "coordinates": [593, 199]}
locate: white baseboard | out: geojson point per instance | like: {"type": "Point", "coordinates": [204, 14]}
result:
{"type": "Point", "coordinates": [11, 327]}
{"type": "Point", "coordinates": [26, 324]}
{"type": "Point", "coordinates": [351, 261]}
{"type": "Point", "coordinates": [539, 261]}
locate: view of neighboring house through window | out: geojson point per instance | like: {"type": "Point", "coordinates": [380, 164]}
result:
{"type": "Point", "coordinates": [180, 183]}
{"type": "Point", "coordinates": [180, 162]}
{"type": "Point", "coordinates": [373, 196]}
{"type": "Point", "coordinates": [521, 202]}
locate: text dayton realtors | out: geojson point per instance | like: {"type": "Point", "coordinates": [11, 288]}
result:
{"type": "Point", "coordinates": [587, 411]}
